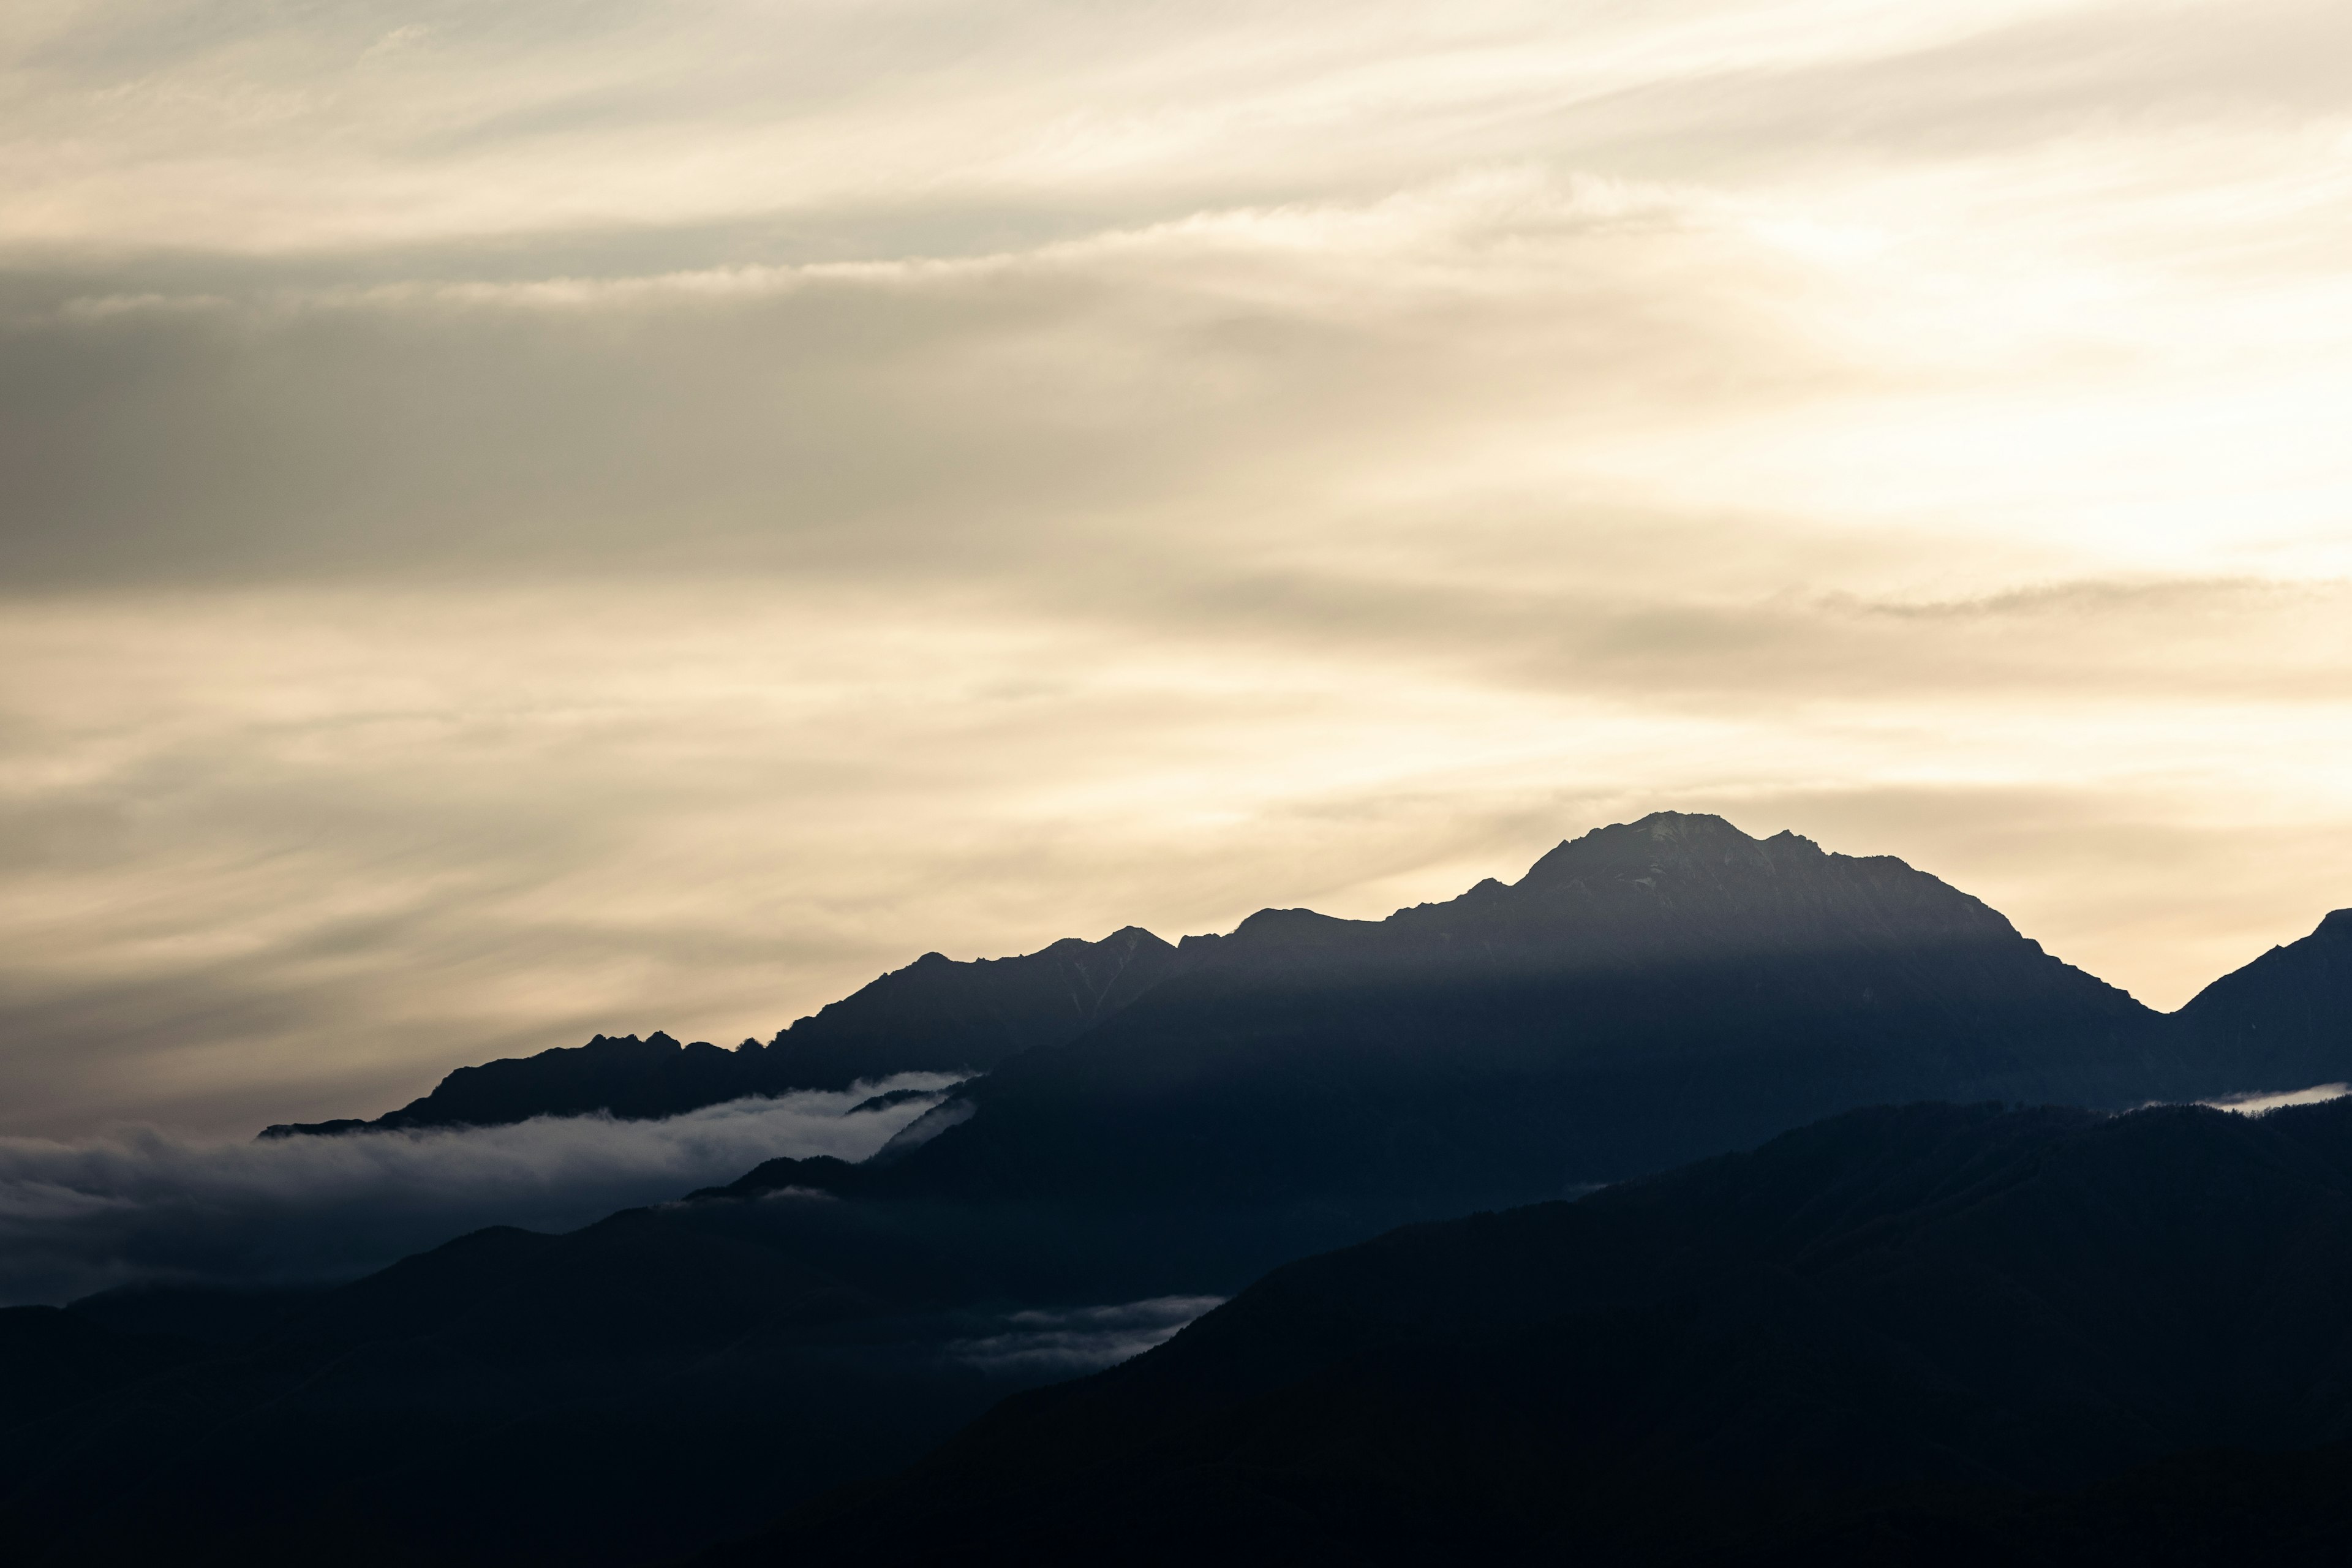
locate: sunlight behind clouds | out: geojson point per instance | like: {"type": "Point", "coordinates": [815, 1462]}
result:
{"type": "Point", "coordinates": [530, 520]}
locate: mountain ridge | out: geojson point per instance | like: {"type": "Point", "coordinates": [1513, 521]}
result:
{"type": "Point", "coordinates": [935, 1015]}
{"type": "Point", "coordinates": [940, 1014]}
{"type": "Point", "coordinates": [1647, 993]}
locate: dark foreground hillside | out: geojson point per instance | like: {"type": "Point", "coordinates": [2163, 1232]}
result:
{"type": "Point", "coordinates": [621, 1395]}
{"type": "Point", "coordinates": [1928, 1334]}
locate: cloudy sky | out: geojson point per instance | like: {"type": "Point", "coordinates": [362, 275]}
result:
{"type": "Point", "coordinates": [519, 518]}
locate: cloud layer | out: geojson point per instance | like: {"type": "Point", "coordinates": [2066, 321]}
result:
{"type": "Point", "coordinates": [2255, 1104]}
{"type": "Point", "coordinates": [138, 1204]}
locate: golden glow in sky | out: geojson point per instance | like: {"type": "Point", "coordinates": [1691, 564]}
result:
{"type": "Point", "coordinates": [524, 519]}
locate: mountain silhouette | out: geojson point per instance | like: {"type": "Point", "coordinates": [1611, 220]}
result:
{"type": "Point", "coordinates": [617, 1396]}
{"type": "Point", "coordinates": [2281, 1023]}
{"type": "Point", "coordinates": [52, 1360]}
{"type": "Point", "coordinates": [934, 1016]}
{"type": "Point", "coordinates": [1956, 1311]}
{"type": "Point", "coordinates": [1647, 993]}
{"type": "Point", "coordinates": [1154, 1125]}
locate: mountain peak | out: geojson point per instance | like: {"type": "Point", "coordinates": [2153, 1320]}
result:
{"type": "Point", "coordinates": [2280, 1023]}
{"type": "Point", "coordinates": [1686, 825]}
{"type": "Point", "coordinates": [1308, 927]}
{"type": "Point", "coordinates": [1664, 842]}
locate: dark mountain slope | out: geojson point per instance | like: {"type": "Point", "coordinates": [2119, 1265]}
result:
{"type": "Point", "coordinates": [938, 1016]}
{"type": "Point", "coordinates": [1650, 992]}
{"type": "Point", "coordinates": [2281, 1023]}
{"type": "Point", "coordinates": [1965, 1307]}
{"type": "Point", "coordinates": [934, 1016]}
{"type": "Point", "coordinates": [621, 1395]}
{"type": "Point", "coordinates": [51, 1359]}
{"type": "Point", "coordinates": [2289, 1509]}
{"type": "Point", "coordinates": [206, 1315]}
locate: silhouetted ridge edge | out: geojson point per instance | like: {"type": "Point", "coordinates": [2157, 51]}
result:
{"type": "Point", "coordinates": [1649, 993]}
{"type": "Point", "coordinates": [936, 1016]}
{"type": "Point", "coordinates": [1777, 981]}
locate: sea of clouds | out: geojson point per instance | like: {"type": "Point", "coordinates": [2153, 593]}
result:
{"type": "Point", "coordinates": [136, 1205]}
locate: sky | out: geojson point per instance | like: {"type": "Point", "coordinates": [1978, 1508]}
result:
{"type": "Point", "coordinates": [522, 520]}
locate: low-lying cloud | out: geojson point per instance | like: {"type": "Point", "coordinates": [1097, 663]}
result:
{"type": "Point", "coordinates": [2255, 1104]}
{"type": "Point", "coordinates": [136, 1205]}
{"type": "Point", "coordinates": [1084, 1338]}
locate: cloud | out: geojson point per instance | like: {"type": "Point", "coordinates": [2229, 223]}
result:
{"type": "Point", "coordinates": [138, 1204]}
{"type": "Point", "coordinates": [2255, 1104]}
{"type": "Point", "coordinates": [249, 128]}
{"type": "Point", "coordinates": [1084, 1340]}
{"type": "Point", "coordinates": [909, 422]}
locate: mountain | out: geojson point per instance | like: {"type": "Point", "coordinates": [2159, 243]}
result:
{"type": "Point", "coordinates": [52, 1360]}
{"type": "Point", "coordinates": [621, 1395]}
{"type": "Point", "coordinates": [1154, 1126]}
{"type": "Point", "coordinates": [2281, 1023]}
{"type": "Point", "coordinates": [1647, 993]}
{"type": "Point", "coordinates": [1718, 987]}
{"type": "Point", "coordinates": [1992, 1317]}
{"type": "Point", "coordinates": [934, 1016]}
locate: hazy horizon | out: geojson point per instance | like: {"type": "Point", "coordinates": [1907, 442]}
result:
{"type": "Point", "coordinates": [537, 521]}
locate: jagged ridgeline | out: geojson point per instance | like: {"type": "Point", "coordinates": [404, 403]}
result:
{"type": "Point", "coordinates": [934, 1016]}
{"type": "Point", "coordinates": [1650, 992]}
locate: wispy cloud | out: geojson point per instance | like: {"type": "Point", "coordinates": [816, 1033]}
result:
{"type": "Point", "coordinates": [2255, 1104]}
{"type": "Point", "coordinates": [1083, 1339]}
{"type": "Point", "coordinates": [138, 1204]}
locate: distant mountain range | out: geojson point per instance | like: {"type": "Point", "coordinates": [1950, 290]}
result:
{"type": "Point", "coordinates": [1146, 1123]}
{"type": "Point", "coordinates": [1647, 993]}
